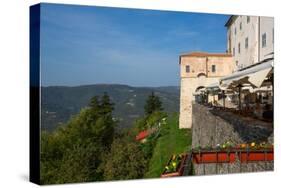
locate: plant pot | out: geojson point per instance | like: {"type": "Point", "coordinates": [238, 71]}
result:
{"type": "Point", "coordinates": [179, 171]}
{"type": "Point", "coordinates": [229, 156]}
{"type": "Point", "coordinates": [213, 157]}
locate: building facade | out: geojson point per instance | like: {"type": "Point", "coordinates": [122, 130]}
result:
{"type": "Point", "coordinates": [197, 70]}
{"type": "Point", "coordinates": [250, 39]}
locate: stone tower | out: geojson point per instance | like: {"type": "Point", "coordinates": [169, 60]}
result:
{"type": "Point", "coordinates": [198, 70]}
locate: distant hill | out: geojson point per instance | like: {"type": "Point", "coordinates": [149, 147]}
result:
{"type": "Point", "coordinates": [59, 103]}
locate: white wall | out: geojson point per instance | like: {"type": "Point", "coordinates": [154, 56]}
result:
{"type": "Point", "coordinates": [253, 30]}
{"type": "Point", "coordinates": [267, 27]}
{"type": "Point", "coordinates": [247, 56]}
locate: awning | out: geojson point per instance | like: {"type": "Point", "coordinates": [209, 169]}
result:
{"type": "Point", "coordinates": [215, 85]}
{"type": "Point", "coordinates": [213, 88]}
{"type": "Point", "coordinates": [254, 75]}
{"type": "Point", "coordinates": [263, 89]}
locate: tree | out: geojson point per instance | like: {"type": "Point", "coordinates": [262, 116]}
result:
{"type": "Point", "coordinates": [94, 103]}
{"type": "Point", "coordinates": [80, 164]}
{"type": "Point", "coordinates": [153, 104]}
{"type": "Point", "coordinates": [124, 161]}
{"type": "Point", "coordinates": [73, 153]}
{"type": "Point", "coordinates": [106, 120]}
{"type": "Point", "coordinates": [106, 105]}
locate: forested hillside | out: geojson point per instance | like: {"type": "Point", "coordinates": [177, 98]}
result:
{"type": "Point", "coordinates": [88, 147]}
{"type": "Point", "coordinates": [59, 103]}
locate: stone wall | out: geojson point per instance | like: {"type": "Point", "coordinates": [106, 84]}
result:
{"type": "Point", "coordinates": [200, 75]}
{"type": "Point", "coordinates": [211, 127]}
{"type": "Point", "coordinates": [188, 87]}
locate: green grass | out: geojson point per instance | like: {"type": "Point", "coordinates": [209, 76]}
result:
{"type": "Point", "coordinates": [172, 141]}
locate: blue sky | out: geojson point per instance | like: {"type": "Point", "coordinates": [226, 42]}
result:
{"type": "Point", "coordinates": [91, 45]}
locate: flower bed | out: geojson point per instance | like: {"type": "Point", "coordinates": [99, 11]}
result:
{"type": "Point", "coordinates": [175, 166]}
{"type": "Point", "coordinates": [228, 153]}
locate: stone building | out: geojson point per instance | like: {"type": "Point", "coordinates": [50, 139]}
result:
{"type": "Point", "coordinates": [250, 39]}
{"type": "Point", "coordinates": [197, 70]}
{"type": "Point", "coordinates": [244, 74]}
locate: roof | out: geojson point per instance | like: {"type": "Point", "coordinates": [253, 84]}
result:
{"type": "Point", "coordinates": [142, 135]}
{"type": "Point", "coordinates": [205, 54]}
{"type": "Point", "coordinates": [230, 20]}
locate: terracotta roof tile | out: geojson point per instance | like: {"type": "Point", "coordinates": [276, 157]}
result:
{"type": "Point", "coordinates": [142, 135]}
{"type": "Point", "coordinates": [205, 54]}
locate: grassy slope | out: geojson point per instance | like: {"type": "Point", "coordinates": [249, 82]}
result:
{"type": "Point", "coordinates": [172, 141]}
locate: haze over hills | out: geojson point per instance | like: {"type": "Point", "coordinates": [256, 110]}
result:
{"type": "Point", "coordinates": [59, 103]}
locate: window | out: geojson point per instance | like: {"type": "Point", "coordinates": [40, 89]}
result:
{"type": "Point", "coordinates": [248, 19]}
{"type": "Point", "coordinates": [233, 51]}
{"type": "Point", "coordinates": [239, 48]}
{"type": "Point", "coordinates": [240, 25]}
{"type": "Point", "coordinates": [235, 30]}
{"type": "Point", "coordinates": [187, 68]}
{"type": "Point", "coordinates": [263, 40]}
{"type": "Point", "coordinates": [213, 68]}
{"type": "Point", "coordinates": [246, 43]}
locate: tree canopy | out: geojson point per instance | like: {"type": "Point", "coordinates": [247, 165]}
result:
{"type": "Point", "coordinates": [126, 160]}
{"type": "Point", "coordinates": [152, 104]}
{"type": "Point", "coordinates": [88, 149]}
{"type": "Point", "coordinates": [73, 152]}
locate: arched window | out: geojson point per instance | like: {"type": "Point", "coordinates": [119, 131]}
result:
{"type": "Point", "coordinates": [199, 88]}
{"type": "Point", "coordinates": [201, 74]}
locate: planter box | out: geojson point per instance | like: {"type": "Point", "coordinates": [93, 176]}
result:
{"type": "Point", "coordinates": [229, 156]}
{"type": "Point", "coordinates": [179, 171]}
